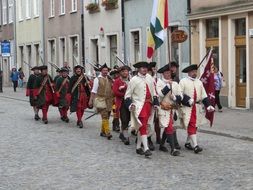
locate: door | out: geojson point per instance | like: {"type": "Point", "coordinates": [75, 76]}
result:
{"type": "Point", "coordinates": [241, 76]}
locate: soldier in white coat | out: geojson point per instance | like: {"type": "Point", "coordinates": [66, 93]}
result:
{"type": "Point", "coordinates": [194, 95]}
{"type": "Point", "coordinates": [170, 97]}
{"type": "Point", "coordinates": [141, 98]}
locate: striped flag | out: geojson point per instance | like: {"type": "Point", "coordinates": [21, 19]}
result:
{"type": "Point", "coordinates": [159, 23]}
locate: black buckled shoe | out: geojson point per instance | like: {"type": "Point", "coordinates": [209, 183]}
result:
{"type": "Point", "coordinates": [127, 142]}
{"type": "Point", "coordinates": [150, 144]}
{"type": "Point", "coordinates": [116, 129]}
{"type": "Point", "coordinates": [63, 118]}
{"type": "Point", "coordinates": [36, 117]}
{"type": "Point", "coordinates": [175, 152]}
{"type": "Point", "coordinates": [109, 136]}
{"type": "Point", "coordinates": [177, 146]}
{"type": "Point", "coordinates": [163, 148]}
{"type": "Point", "coordinates": [66, 119]}
{"type": "Point", "coordinates": [140, 151]}
{"type": "Point", "coordinates": [148, 153]}
{"type": "Point", "coordinates": [79, 124]}
{"type": "Point", "coordinates": [122, 137]}
{"type": "Point", "coordinates": [197, 149]}
{"type": "Point", "coordinates": [45, 121]}
{"type": "Point", "coordinates": [188, 146]}
{"type": "Point", "coordinates": [102, 134]}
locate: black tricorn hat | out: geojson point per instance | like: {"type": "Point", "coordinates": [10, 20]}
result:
{"type": "Point", "coordinates": [64, 69]}
{"type": "Point", "coordinates": [104, 66]}
{"type": "Point", "coordinates": [114, 71]}
{"type": "Point", "coordinates": [141, 64]}
{"type": "Point", "coordinates": [174, 63]}
{"type": "Point", "coordinates": [152, 64]}
{"type": "Point", "coordinates": [35, 68]}
{"type": "Point", "coordinates": [125, 67]}
{"type": "Point", "coordinates": [78, 66]}
{"type": "Point", "coordinates": [58, 70]}
{"type": "Point", "coordinates": [164, 68]}
{"type": "Point", "coordinates": [42, 67]}
{"type": "Point", "coordinates": [190, 68]}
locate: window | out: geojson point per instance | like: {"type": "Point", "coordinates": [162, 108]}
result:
{"type": "Point", "coordinates": [113, 50]}
{"type": "Point", "coordinates": [74, 5]}
{"type": "Point", "coordinates": [36, 8]}
{"type": "Point", "coordinates": [4, 5]}
{"type": "Point", "coordinates": [212, 28]}
{"type": "Point", "coordinates": [174, 47]}
{"type": "Point", "coordinates": [135, 46]}
{"type": "Point", "coordinates": [21, 9]}
{"type": "Point", "coordinates": [62, 7]}
{"type": "Point", "coordinates": [52, 8]}
{"type": "Point", "coordinates": [240, 26]}
{"type": "Point", "coordinates": [11, 11]}
{"type": "Point", "coordinates": [28, 9]}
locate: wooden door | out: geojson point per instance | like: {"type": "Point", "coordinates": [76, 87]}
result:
{"type": "Point", "coordinates": [241, 76]}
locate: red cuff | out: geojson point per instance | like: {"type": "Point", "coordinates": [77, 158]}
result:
{"type": "Point", "coordinates": [27, 92]}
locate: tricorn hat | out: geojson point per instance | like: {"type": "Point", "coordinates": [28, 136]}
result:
{"type": "Point", "coordinates": [78, 66]}
{"type": "Point", "coordinates": [152, 64]}
{"type": "Point", "coordinates": [125, 67]}
{"type": "Point", "coordinates": [174, 64]}
{"type": "Point", "coordinates": [141, 64]}
{"type": "Point", "coordinates": [64, 69]}
{"type": "Point", "coordinates": [164, 68]}
{"type": "Point", "coordinates": [43, 67]}
{"type": "Point", "coordinates": [104, 66]}
{"type": "Point", "coordinates": [114, 71]}
{"type": "Point", "coordinates": [35, 68]}
{"type": "Point", "coordinates": [190, 68]}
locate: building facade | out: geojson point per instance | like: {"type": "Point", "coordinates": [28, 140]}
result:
{"type": "Point", "coordinates": [103, 32]}
{"type": "Point", "coordinates": [137, 26]}
{"type": "Point", "coordinates": [29, 38]}
{"type": "Point", "coordinates": [7, 34]}
{"type": "Point", "coordinates": [63, 33]}
{"type": "Point", "coordinates": [227, 27]}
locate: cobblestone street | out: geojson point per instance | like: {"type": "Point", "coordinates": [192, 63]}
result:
{"type": "Point", "coordinates": [62, 156]}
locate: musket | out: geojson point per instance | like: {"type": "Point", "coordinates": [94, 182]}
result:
{"type": "Point", "coordinates": [93, 65]}
{"type": "Point", "coordinates": [122, 62]}
{"type": "Point", "coordinates": [27, 64]}
{"type": "Point", "coordinates": [53, 65]}
{"type": "Point", "coordinates": [90, 116]}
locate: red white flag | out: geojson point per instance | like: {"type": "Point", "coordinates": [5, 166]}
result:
{"type": "Point", "coordinates": [207, 79]}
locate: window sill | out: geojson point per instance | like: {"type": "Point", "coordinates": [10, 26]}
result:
{"type": "Point", "coordinates": [21, 20]}
{"type": "Point", "coordinates": [51, 17]}
{"type": "Point", "coordinates": [28, 18]}
{"type": "Point", "coordinates": [62, 14]}
{"type": "Point", "coordinates": [73, 11]}
{"type": "Point", "coordinates": [36, 16]}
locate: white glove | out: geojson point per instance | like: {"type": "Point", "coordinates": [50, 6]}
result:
{"type": "Point", "coordinates": [121, 87]}
{"type": "Point", "coordinates": [191, 102]}
{"type": "Point", "coordinates": [210, 108]}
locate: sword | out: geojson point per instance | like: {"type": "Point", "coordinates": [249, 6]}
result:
{"type": "Point", "coordinates": [53, 65]}
{"type": "Point", "coordinates": [122, 62]}
{"type": "Point", "coordinates": [27, 64]}
{"type": "Point", "coordinates": [90, 116]}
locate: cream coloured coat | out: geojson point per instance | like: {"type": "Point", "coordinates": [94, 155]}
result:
{"type": "Point", "coordinates": [136, 91]}
{"type": "Point", "coordinates": [187, 86]}
{"type": "Point", "coordinates": [164, 115]}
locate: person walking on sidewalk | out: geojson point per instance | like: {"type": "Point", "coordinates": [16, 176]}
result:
{"type": "Point", "coordinates": [218, 85]}
{"type": "Point", "coordinates": [14, 78]}
{"type": "Point", "coordinates": [193, 95]}
{"type": "Point", "coordinates": [79, 92]}
{"type": "Point", "coordinates": [21, 77]}
{"type": "Point", "coordinates": [30, 92]}
{"type": "Point", "coordinates": [140, 99]}
{"type": "Point", "coordinates": [170, 96]}
{"type": "Point", "coordinates": [102, 99]}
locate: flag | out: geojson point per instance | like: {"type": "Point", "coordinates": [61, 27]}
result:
{"type": "Point", "coordinates": [158, 24]}
{"type": "Point", "coordinates": [207, 79]}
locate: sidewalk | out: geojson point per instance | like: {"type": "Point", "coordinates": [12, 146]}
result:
{"type": "Point", "coordinates": [233, 123]}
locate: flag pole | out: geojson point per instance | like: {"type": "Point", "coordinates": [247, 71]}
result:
{"type": "Point", "coordinates": [205, 57]}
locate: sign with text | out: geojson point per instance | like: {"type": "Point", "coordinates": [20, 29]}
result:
{"type": "Point", "coordinates": [6, 49]}
{"type": "Point", "coordinates": [179, 36]}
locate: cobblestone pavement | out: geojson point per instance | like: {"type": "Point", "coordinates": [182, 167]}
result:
{"type": "Point", "coordinates": [62, 156]}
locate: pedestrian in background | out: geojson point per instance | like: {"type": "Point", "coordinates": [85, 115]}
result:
{"type": "Point", "coordinates": [14, 78]}
{"type": "Point", "coordinates": [218, 85]}
{"type": "Point", "coordinates": [21, 78]}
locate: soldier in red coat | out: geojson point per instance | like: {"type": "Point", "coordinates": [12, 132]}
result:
{"type": "Point", "coordinates": [119, 90]}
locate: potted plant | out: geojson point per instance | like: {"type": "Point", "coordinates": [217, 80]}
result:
{"type": "Point", "coordinates": [110, 4]}
{"type": "Point", "coordinates": [92, 7]}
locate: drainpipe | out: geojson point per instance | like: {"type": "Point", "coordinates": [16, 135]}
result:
{"type": "Point", "coordinates": [42, 31]}
{"type": "Point", "coordinates": [15, 34]}
{"type": "Point", "coordinates": [190, 31]}
{"type": "Point", "coordinates": [82, 33]}
{"type": "Point", "coordinates": [123, 29]}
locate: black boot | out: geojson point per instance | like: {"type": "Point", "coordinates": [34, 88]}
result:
{"type": "Point", "coordinates": [197, 149]}
{"type": "Point", "coordinates": [45, 121]}
{"type": "Point", "coordinates": [115, 125]}
{"type": "Point", "coordinates": [188, 146]}
{"type": "Point", "coordinates": [174, 151]}
{"type": "Point", "coordinates": [150, 144]}
{"type": "Point", "coordinates": [140, 151]}
{"type": "Point", "coordinates": [177, 146]}
{"type": "Point", "coordinates": [162, 147]}
{"type": "Point", "coordinates": [79, 124]}
{"type": "Point", "coordinates": [36, 117]}
{"type": "Point", "coordinates": [148, 153]}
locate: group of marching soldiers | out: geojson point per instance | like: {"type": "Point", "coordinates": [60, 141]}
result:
{"type": "Point", "coordinates": [141, 101]}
